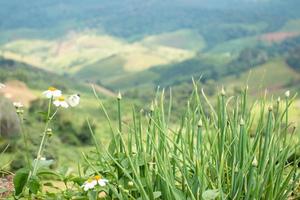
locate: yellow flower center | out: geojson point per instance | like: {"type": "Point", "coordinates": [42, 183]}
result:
{"type": "Point", "coordinates": [90, 180]}
{"type": "Point", "coordinates": [61, 98]}
{"type": "Point", "coordinates": [52, 89]}
{"type": "Point", "coordinates": [97, 177]}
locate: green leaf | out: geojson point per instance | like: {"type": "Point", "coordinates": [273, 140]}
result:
{"type": "Point", "coordinates": [20, 180]}
{"type": "Point", "coordinates": [92, 195]}
{"type": "Point", "coordinates": [34, 185]}
{"type": "Point", "coordinates": [79, 181]}
{"type": "Point", "coordinates": [112, 147]}
{"type": "Point", "coordinates": [210, 194]}
{"type": "Point", "coordinates": [43, 163]}
{"type": "Point", "coordinates": [178, 194]}
{"type": "Point", "coordinates": [156, 194]}
{"type": "Point", "coordinates": [47, 172]}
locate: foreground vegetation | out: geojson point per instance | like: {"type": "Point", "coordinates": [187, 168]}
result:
{"type": "Point", "coordinates": [229, 151]}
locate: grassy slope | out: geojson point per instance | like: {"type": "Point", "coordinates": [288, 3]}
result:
{"type": "Point", "coordinates": [77, 51]}
{"type": "Point", "coordinates": [274, 75]}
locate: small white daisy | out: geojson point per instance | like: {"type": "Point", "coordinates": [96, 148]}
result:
{"type": "Point", "coordinates": [89, 184]}
{"type": "Point", "coordinates": [74, 100]}
{"type": "Point", "coordinates": [2, 85]}
{"type": "Point", "coordinates": [61, 102]}
{"type": "Point", "coordinates": [92, 182]}
{"type": "Point", "coordinates": [52, 92]}
{"type": "Point", "coordinates": [101, 181]}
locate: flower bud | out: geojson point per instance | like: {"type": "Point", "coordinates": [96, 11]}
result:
{"type": "Point", "coordinates": [102, 195]}
{"type": "Point", "coordinates": [18, 105]}
{"type": "Point", "coordinates": [254, 162]}
{"type": "Point", "coordinates": [20, 111]}
{"type": "Point", "coordinates": [236, 169]}
{"type": "Point", "coordinates": [49, 132]}
{"type": "Point", "coordinates": [270, 108]}
{"type": "Point", "coordinates": [200, 123]}
{"type": "Point", "coordinates": [223, 93]}
{"type": "Point", "coordinates": [152, 107]}
{"type": "Point", "coordinates": [278, 100]}
{"type": "Point", "coordinates": [119, 97]}
{"type": "Point", "coordinates": [130, 183]}
{"type": "Point", "coordinates": [242, 122]}
{"type": "Point", "coordinates": [287, 94]}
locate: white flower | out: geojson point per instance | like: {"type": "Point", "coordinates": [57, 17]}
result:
{"type": "Point", "coordinates": [92, 182]}
{"type": "Point", "coordinates": [89, 184]}
{"type": "Point", "coordinates": [2, 85]}
{"type": "Point", "coordinates": [18, 105]}
{"type": "Point", "coordinates": [73, 100]}
{"type": "Point", "coordinates": [102, 182]}
{"type": "Point", "coordinates": [52, 92]}
{"type": "Point", "coordinates": [61, 102]}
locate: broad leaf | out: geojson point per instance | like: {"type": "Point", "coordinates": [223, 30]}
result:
{"type": "Point", "coordinates": [34, 185]}
{"type": "Point", "coordinates": [20, 180]}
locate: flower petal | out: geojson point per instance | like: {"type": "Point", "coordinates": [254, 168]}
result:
{"type": "Point", "coordinates": [102, 182]}
{"type": "Point", "coordinates": [64, 104]}
{"type": "Point", "coordinates": [48, 94]}
{"type": "Point", "coordinates": [56, 93]}
{"type": "Point", "coordinates": [57, 103]}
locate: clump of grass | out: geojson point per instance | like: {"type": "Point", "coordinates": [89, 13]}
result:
{"type": "Point", "coordinates": [228, 151]}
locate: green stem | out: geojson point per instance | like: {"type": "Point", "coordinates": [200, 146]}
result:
{"type": "Point", "coordinates": [42, 144]}
{"type": "Point", "coordinates": [25, 138]}
{"type": "Point", "coordinates": [120, 121]}
{"type": "Point", "coordinates": [286, 120]}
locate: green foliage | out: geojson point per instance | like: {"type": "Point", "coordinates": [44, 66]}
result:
{"type": "Point", "coordinates": [226, 153]}
{"type": "Point", "coordinates": [68, 130]}
{"type": "Point", "coordinates": [83, 136]}
{"type": "Point", "coordinates": [293, 59]}
{"type": "Point", "coordinates": [34, 77]}
{"type": "Point", "coordinates": [199, 68]}
{"type": "Point", "coordinates": [233, 149]}
{"type": "Point", "coordinates": [20, 180]}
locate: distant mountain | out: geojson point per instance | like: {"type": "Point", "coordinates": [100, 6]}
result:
{"type": "Point", "coordinates": [134, 18]}
{"type": "Point", "coordinates": [128, 43]}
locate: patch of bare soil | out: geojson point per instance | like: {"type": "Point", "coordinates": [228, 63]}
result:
{"type": "Point", "coordinates": [18, 91]}
{"type": "Point", "coordinates": [278, 36]}
{"type": "Point", "coordinates": [6, 186]}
